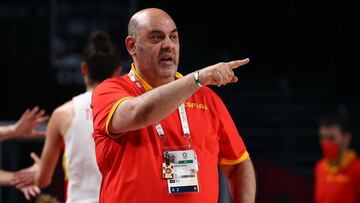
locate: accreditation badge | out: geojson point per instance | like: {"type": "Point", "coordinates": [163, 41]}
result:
{"type": "Point", "coordinates": [185, 172]}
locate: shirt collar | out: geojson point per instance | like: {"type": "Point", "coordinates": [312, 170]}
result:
{"type": "Point", "coordinates": [345, 161]}
{"type": "Point", "coordinates": [147, 86]}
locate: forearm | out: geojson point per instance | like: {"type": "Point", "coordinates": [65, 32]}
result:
{"type": "Point", "coordinates": [6, 132]}
{"type": "Point", "coordinates": [5, 177]}
{"type": "Point", "coordinates": [242, 183]}
{"type": "Point", "coordinates": [49, 157]}
{"type": "Point", "coordinates": [47, 166]}
{"type": "Point", "coordinates": [153, 105]}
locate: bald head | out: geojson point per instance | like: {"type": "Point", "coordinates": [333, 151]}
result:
{"type": "Point", "coordinates": [144, 18]}
{"type": "Point", "coordinates": [153, 43]}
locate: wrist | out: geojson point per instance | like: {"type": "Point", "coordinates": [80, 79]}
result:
{"type": "Point", "coordinates": [197, 78]}
{"type": "Point", "coordinates": [12, 130]}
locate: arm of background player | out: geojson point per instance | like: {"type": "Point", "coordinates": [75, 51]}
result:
{"type": "Point", "coordinates": [51, 149]}
{"type": "Point", "coordinates": [5, 177]}
{"type": "Point", "coordinates": [6, 132]}
{"type": "Point", "coordinates": [241, 178]}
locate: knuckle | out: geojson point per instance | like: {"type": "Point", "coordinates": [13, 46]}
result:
{"type": "Point", "coordinates": [221, 64]}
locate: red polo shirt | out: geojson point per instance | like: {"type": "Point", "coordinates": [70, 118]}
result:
{"type": "Point", "coordinates": [131, 164]}
{"type": "Point", "coordinates": [340, 183]}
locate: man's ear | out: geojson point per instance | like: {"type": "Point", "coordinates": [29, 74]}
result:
{"type": "Point", "coordinates": [83, 69]}
{"type": "Point", "coordinates": [130, 45]}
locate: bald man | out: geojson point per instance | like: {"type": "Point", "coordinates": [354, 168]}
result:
{"type": "Point", "coordinates": [159, 135]}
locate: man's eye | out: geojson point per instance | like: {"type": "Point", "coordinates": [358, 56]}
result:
{"type": "Point", "coordinates": [155, 38]}
{"type": "Point", "coordinates": [174, 37]}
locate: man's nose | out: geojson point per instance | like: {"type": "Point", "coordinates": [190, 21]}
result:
{"type": "Point", "coordinates": [168, 44]}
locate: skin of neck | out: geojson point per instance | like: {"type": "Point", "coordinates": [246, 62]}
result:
{"type": "Point", "coordinates": [89, 85]}
{"type": "Point", "coordinates": [152, 79]}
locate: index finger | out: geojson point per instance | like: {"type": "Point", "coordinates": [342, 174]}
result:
{"type": "Point", "coordinates": [237, 63]}
{"type": "Point", "coordinates": [42, 119]}
{"type": "Point", "coordinates": [34, 111]}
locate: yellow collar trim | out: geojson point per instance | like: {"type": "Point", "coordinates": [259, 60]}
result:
{"type": "Point", "coordinates": [344, 162]}
{"type": "Point", "coordinates": [146, 84]}
{"type": "Point", "coordinates": [137, 74]}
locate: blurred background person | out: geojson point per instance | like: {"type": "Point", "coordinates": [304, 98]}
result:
{"type": "Point", "coordinates": [337, 175]}
{"type": "Point", "coordinates": [71, 123]}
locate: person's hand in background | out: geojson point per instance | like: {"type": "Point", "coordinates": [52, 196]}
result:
{"type": "Point", "coordinates": [29, 121]}
{"type": "Point", "coordinates": [23, 179]}
{"type": "Point", "coordinates": [30, 191]}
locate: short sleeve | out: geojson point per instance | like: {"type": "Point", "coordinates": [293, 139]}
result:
{"type": "Point", "coordinates": [231, 146]}
{"type": "Point", "coordinates": [106, 97]}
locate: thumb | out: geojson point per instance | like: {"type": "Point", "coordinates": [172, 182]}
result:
{"type": "Point", "coordinates": [234, 79]}
{"type": "Point", "coordinates": [34, 157]}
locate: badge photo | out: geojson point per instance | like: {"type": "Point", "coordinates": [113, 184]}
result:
{"type": "Point", "coordinates": [168, 171]}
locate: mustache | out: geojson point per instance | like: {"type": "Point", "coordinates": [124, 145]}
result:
{"type": "Point", "coordinates": [167, 51]}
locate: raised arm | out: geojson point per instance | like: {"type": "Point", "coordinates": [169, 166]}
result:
{"type": "Point", "coordinates": [152, 106]}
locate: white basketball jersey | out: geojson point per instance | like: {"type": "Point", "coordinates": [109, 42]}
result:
{"type": "Point", "coordinates": [84, 177]}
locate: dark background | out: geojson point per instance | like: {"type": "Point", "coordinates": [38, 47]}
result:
{"type": "Point", "coordinates": [304, 61]}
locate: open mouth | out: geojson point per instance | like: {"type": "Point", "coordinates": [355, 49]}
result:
{"type": "Point", "coordinates": [167, 59]}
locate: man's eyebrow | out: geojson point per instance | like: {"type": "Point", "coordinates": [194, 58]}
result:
{"type": "Point", "coordinates": [156, 31]}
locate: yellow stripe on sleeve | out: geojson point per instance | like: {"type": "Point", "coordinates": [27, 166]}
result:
{"type": "Point", "coordinates": [233, 162]}
{"type": "Point", "coordinates": [111, 113]}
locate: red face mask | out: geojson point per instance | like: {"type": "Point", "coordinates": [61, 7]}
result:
{"type": "Point", "coordinates": [330, 149]}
